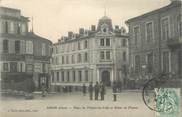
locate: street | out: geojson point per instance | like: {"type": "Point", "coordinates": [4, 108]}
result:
{"type": "Point", "coordinates": [128, 104]}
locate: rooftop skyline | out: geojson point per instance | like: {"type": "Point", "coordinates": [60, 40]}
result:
{"type": "Point", "coordinates": [54, 19]}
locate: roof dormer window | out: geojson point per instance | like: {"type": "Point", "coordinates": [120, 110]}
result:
{"type": "Point", "coordinates": [104, 28]}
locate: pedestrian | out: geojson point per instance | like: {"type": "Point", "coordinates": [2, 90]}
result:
{"type": "Point", "coordinates": [90, 90]}
{"type": "Point", "coordinates": [114, 89]}
{"type": "Point", "coordinates": [43, 89]}
{"type": "Point", "coordinates": [96, 87]}
{"type": "Point", "coordinates": [84, 89]}
{"type": "Point", "coordinates": [119, 86]}
{"type": "Point", "coordinates": [102, 90]}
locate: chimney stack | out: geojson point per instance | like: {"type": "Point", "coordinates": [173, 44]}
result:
{"type": "Point", "coordinates": [81, 31]}
{"type": "Point", "coordinates": [93, 28]}
{"type": "Point", "coordinates": [70, 34]}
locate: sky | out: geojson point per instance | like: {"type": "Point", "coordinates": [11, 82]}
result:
{"type": "Point", "coordinates": [54, 18]}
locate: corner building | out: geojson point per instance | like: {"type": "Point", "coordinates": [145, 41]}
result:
{"type": "Point", "coordinates": [155, 44]}
{"type": "Point", "coordinates": [24, 56]}
{"type": "Point", "coordinates": [92, 55]}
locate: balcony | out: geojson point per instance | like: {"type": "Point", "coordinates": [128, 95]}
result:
{"type": "Point", "coordinates": [175, 42]}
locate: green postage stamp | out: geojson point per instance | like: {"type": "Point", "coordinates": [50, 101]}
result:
{"type": "Point", "coordinates": [167, 102]}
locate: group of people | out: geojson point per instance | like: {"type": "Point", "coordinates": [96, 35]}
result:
{"type": "Point", "coordinates": [98, 88]}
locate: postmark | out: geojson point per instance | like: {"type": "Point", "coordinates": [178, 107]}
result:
{"type": "Point", "coordinates": [161, 97]}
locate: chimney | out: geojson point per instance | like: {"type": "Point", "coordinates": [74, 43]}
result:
{"type": "Point", "coordinates": [70, 34]}
{"type": "Point", "coordinates": [93, 28]}
{"type": "Point", "coordinates": [81, 31]}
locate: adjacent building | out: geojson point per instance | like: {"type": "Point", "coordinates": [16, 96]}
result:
{"type": "Point", "coordinates": [24, 56]}
{"type": "Point", "coordinates": [96, 55]}
{"type": "Point", "coordinates": [155, 44]}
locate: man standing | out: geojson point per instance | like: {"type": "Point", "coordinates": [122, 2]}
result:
{"type": "Point", "coordinates": [84, 89]}
{"type": "Point", "coordinates": [102, 90]}
{"type": "Point", "coordinates": [90, 90]}
{"type": "Point", "coordinates": [114, 89]}
{"type": "Point", "coordinates": [43, 89]}
{"type": "Point", "coordinates": [96, 87]}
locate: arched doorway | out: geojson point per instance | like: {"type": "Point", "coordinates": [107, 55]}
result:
{"type": "Point", "coordinates": [106, 78]}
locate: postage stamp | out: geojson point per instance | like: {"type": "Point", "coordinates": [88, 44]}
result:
{"type": "Point", "coordinates": [167, 102]}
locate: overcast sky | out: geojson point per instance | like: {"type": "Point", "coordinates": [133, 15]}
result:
{"type": "Point", "coordinates": [54, 18]}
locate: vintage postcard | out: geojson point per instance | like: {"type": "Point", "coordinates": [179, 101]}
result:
{"type": "Point", "coordinates": [90, 58]}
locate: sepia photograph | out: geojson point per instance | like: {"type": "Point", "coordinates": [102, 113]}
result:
{"type": "Point", "coordinates": [91, 58]}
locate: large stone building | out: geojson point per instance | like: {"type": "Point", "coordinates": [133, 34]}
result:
{"type": "Point", "coordinates": [155, 44]}
{"type": "Point", "coordinates": [99, 54]}
{"type": "Point", "coordinates": [25, 56]}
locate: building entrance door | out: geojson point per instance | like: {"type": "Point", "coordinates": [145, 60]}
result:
{"type": "Point", "coordinates": [43, 80]}
{"type": "Point", "coordinates": [106, 78]}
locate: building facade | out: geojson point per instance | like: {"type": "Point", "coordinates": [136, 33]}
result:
{"type": "Point", "coordinates": [25, 56]}
{"type": "Point", "coordinates": [155, 43]}
{"type": "Point", "coordinates": [99, 54]}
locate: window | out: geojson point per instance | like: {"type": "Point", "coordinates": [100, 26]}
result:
{"type": "Point", "coordinates": [21, 67]}
{"type": "Point", "coordinates": [44, 67]}
{"type": "Point", "coordinates": [124, 69]}
{"type": "Point", "coordinates": [68, 76]}
{"type": "Point", "coordinates": [43, 49]}
{"type": "Point", "coordinates": [124, 56]}
{"type": "Point", "coordinates": [124, 42]}
{"type": "Point", "coordinates": [108, 56]}
{"type": "Point", "coordinates": [17, 46]}
{"type": "Point", "coordinates": [136, 34]}
{"type": "Point", "coordinates": [5, 67]}
{"type": "Point", "coordinates": [18, 28]}
{"type": "Point", "coordinates": [150, 62]}
{"type": "Point", "coordinates": [56, 60]}
{"type": "Point", "coordinates": [165, 28]}
{"type": "Point", "coordinates": [12, 27]}
{"type": "Point", "coordinates": [79, 46]}
{"type": "Point", "coordinates": [79, 58]}
{"type": "Point", "coordinates": [104, 30]}
{"type": "Point", "coordinates": [86, 57]}
{"type": "Point", "coordinates": [107, 42]}
{"type": "Point", "coordinates": [179, 25]}
{"type": "Point", "coordinates": [80, 75]}
{"type": "Point", "coordinates": [67, 59]}
{"type": "Point", "coordinates": [73, 59]}
{"type": "Point", "coordinates": [29, 47]}
{"type": "Point", "coordinates": [5, 46]}
{"type": "Point", "coordinates": [102, 42]}
{"type": "Point", "coordinates": [57, 76]}
{"type": "Point", "coordinates": [13, 67]}
{"type": "Point", "coordinates": [86, 75]}
{"type": "Point", "coordinates": [6, 27]}
{"type": "Point", "coordinates": [74, 78]}
{"type": "Point", "coordinates": [23, 27]}
{"type": "Point", "coordinates": [52, 76]}
{"type": "Point", "coordinates": [73, 46]}
{"type": "Point", "coordinates": [165, 62]}
{"type": "Point", "coordinates": [86, 44]}
{"type": "Point", "coordinates": [62, 76]}
{"type": "Point", "coordinates": [62, 59]}
{"type": "Point", "coordinates": [149, 32]}
{"type": "Point", "coordinates": [102, 55]}
{"type": "Point", "coordinates": [137, 63]}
